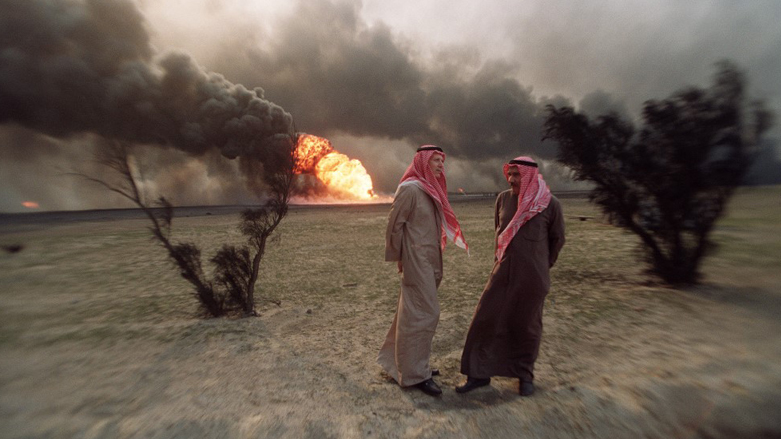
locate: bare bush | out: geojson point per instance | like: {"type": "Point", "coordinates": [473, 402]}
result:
{"type": "Point", "coordinates": [236, 269]}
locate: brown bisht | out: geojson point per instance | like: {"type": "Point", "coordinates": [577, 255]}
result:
{"type": "Point", "coordinates": [413, 237]}
{"type": "Point", "coordinates": [420, 222]}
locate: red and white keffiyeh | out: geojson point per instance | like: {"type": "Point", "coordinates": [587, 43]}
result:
{"type": "Point", "coordinates": [419, 173]}
{"type": "Point", "coordinates": [533, 197]}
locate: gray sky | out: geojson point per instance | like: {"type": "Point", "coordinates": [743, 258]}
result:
{"type": "Point", "coordinates": [377, 78]}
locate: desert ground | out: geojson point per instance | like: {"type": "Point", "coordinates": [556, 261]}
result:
{"type": "Point", "coordinates": [100, 337]}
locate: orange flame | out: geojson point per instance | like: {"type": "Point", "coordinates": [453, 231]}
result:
{"type": "Point", "coordinates": [309, 150]}
{"type": "Point", "coordinates": [30, 204]}
{"type": "Point", "coordinates": [345, 178]}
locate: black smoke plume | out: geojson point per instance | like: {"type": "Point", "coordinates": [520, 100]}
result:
{"type": "Point", "coordinates": [71, 67]}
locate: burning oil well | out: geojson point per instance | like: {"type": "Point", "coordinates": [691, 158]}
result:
{"type": "Point", "coordinates": [328, 175]}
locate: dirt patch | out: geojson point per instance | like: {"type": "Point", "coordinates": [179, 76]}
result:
{"type": "Point", "coordinates": [100, 337]}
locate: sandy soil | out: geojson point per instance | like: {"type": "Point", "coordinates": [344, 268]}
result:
{"type": "Point", "coordinates": [86, 354]}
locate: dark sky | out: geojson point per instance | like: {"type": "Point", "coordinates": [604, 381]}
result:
{"type": "Point", "coordinates": [193, 80]}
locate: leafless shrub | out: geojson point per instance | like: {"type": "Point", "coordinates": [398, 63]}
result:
{"type": "Point", "coordinates": [236, 269]}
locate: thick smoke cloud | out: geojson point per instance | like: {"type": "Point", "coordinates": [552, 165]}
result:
{"type": "Point", "coordinates": [74, 67]}
{"type": "Point", "coordinates": [374, 86]}
{"type": "Point", "coordinates": [338, 74]}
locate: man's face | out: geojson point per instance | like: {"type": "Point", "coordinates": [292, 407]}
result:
{"type": "Point", "coordinates": [437, 164]}
{"type": "Point", "coordinates": [514, 178]}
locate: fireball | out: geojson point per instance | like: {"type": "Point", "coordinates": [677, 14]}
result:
{"type": "Point", "coordinates": [309, 150]}
{"type": "Point", "coordinates": [345, 179]}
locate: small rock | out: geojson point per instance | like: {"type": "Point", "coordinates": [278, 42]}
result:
{"type": "Point", "coordinates": [13, 248]}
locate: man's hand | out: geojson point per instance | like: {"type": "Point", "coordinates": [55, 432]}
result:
{"type": "Point", "coordinates": [399, 265]}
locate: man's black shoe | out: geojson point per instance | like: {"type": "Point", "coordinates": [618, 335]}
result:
{"type": "Point", "coordinates": [472, 384]}
{"type": "Point", "coordinates": [429, 387]}
{"type": "Point", "coordinates": [526, 388]}
{"type": "Point", "coordinates": [434, 372]}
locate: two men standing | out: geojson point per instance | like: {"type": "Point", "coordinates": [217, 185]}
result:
{"type": "Point", "coordinates": [504, 337]}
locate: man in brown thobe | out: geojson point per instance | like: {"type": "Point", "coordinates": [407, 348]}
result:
{"type": "Point", "coordinates": [504, 337]}
{"type": "Point", "coordinates": [419, 223]}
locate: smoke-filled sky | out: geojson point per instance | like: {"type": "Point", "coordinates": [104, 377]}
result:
{"type": "Point", "coordinates": [195, 83]}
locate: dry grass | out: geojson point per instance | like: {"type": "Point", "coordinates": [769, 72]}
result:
{"type": "Point", "coordinates": [100, 337]}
